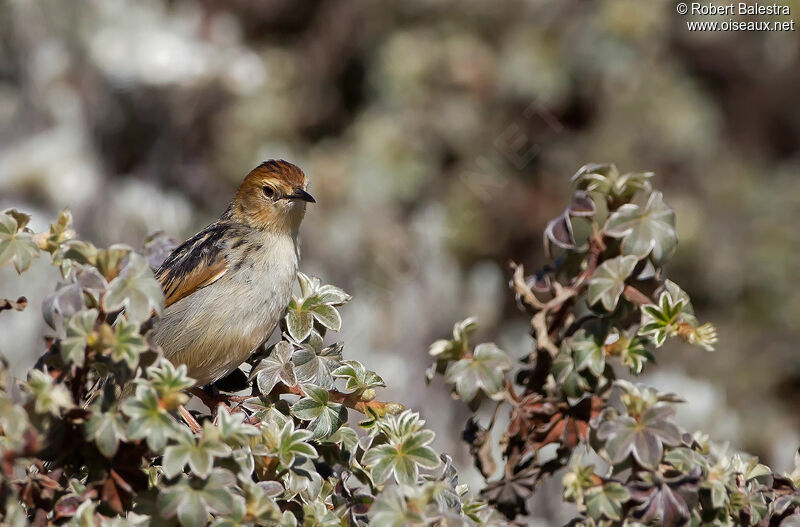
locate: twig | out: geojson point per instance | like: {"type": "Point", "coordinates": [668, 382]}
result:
{"type": "Point", "coordinates": [636, 296]}
{"type": "Point", "coordinates": [17, 305]}
{"type": "Point", "coordinates": [518, 281]}
{"type": "Point", "coordinates": [596, 247]}
{"type": "Point", "coordinates": [350, 400]}
{"type": "Point", "coordinates": [495, 414]}
{"type": "Point", "coordinates": [189, 419]}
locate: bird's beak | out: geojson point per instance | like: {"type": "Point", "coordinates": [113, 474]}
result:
{"type": "Point", "coordinates": [302, 195]}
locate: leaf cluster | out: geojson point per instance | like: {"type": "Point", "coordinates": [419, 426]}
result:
{"type": "Point", "coordinates": [603, 308]}
{"type": "Point", "coordinates": [102, 435]}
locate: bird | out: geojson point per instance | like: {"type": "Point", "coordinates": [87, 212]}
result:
{"type": "Point", "coordinates": [227, 287]}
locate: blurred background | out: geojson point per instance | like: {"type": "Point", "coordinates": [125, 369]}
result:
{"type": "Point", "coordinates": [439, 137]}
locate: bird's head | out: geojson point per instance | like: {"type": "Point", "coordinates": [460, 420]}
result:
{"type": "Point", "coordinates": [272, 197]}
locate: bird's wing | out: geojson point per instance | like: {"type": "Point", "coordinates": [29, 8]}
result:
{"type": "Point", "coordinates": [198, 262]}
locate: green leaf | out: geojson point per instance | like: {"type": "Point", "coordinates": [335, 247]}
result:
{"type": "Point", "coordinates": [719, 493]}
{"type": "Point", "coordinates": [678, 294]}
{"type": "Point", "coordinates": [304, 479]}
{"type": "Point", "coordinates": [357, 376]}
{"type": "Point", "coordinates": [794, 475]}
{"type": "Point", "coordinates": [106, 429]}
{"type": "Point", "coordinates": [85, 515]}
{"type": "Point", "coordinates": [79, 328]}
{"type": "Point", "coordinates": [287, 520]}
{"type": "Point", "coordinates": [78, 252]}
{"type": "Point", "coordinates": [402, 459]}
{"type": "Point", "coordinates": [232, 428]}
{"type": "Point", "coordinates": [406, 451]}
{"type": "Point", "coordinates": [608, 281]}
{"type": "Point", "coordinates": [587, 353]}
{"type": "Point", "coordinates": [391, 510]}
{"type": "Point", "coordinates": [127, 344]}
{"type": "Point", "coordinates": [606, 501]}
{"type": "Point", "coordinates": [259, 505]}
{"type": "Point", "coordinates": [59, 232]}
{"type": "Point", "coordinates": [332, 295]}
{"type": "Point", "coordinates": [606, 179]}
{"type": "Point", "coordinates": [315, 303]}
{"type": "Point", "coordinates": [285, 442]}
{"type": "Point", "coordinates": [198, 453]}
{"type": "Point", "coordinates": [455, 348]}
{"type": "Point", "coordinates": [346, 438]}
{"type": "Point", "coordinates": [749, 467]}
{"type": "Point", "coordinates": [572, 383]}
{"type": "Point", "coordinates": [645, 231]}
{"type": "Point", "coordinates": [49, 397]}
{"type": "Point", "coordinates": [193, 504]}
{"type": "Point", "coordinates": [314, 364]}
{"type": "Point", "coordinates": [328, 316]}
{"type": "Point", "coordinates": [299, 324]}
{"type": "Point", "coordinates": [644, 438]}
{"type": "Point", "coordinates": [167, 379]}
{"type": "Point", "coordinates": [176, 456]}
{"type": "Point", "coordinates": [307, 284]}
{"type": "Point", "coordinates": [400, 427]}
{"type": "Point", "coordinates": [135, 289]}
{"type": "Point", "coordinates": [631, 348]}
{"type": "Point", "coordinates": [484, 370]}
{"type": "Point", "coordinates": [148, 419]}
{"type": "Point", "coordinates": [316, 514]}
{"type": "Point", "coordinates": [685, 459]}
{"type": "Point", "coordinates": [415, 448]}
{"type": "Point", "coordinates": [663, 320]}
{"type": "Point", "coordinates": [16, 245]}
{"type": "Point", "coordinates": [276, 367]}
{"type": "Point", "coordinates": [704, 335]}
{"type": "Point", "coordinates": [325, 416]}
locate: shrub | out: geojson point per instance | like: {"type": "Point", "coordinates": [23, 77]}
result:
{"type": "Point", "coordinates": [74, 451]}
{"type": "Point", "coordinates": [605, 305]}
{"type": "Point", "coordinates": [284, 454]}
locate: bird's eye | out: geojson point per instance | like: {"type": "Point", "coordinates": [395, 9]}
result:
{"type": "Point", "coordinates": [269, 191]}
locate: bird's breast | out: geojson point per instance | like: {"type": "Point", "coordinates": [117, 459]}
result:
{"type": "Point", "coordinates": [218, 327]}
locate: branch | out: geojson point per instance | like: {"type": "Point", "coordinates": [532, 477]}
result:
{"type": "Point", "coordinates": [518, 282]}
{"type": "Point", "coordinates": [350, 400]}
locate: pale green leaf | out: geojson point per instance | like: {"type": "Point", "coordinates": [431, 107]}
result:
{"type": "Point", "coordinates": [648, 230]}
{"type": "Point", "coordinates": [80, 326]}
{"type": "Point", "coordinates": [135, 289]}
{"type": "Point", "coordinates": [299, 324]}
{"type": "Point", "coordinates": [484, 370]}
{"type": "Point", "coordinates": [608, 281]}
{"type": "Point", "coordinates": [16, 245]}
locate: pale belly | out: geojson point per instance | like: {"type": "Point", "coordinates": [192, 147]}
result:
{"type": "Point", "coordinates": [217, 328]}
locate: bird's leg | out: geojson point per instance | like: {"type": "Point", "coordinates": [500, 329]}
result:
{"type": "Point", "coordinates": [189, 419]}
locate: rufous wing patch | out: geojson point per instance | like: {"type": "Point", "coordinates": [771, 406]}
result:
{"type": "Point", "coordinates": [198, 262]}
{"type": "Point", "coordinates": [200, 276]}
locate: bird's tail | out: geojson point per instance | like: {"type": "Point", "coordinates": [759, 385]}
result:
{"type": "Point", "coordinates": [94, 392]}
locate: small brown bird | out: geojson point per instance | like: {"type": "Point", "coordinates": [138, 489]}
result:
{"type": "Point", "coordinates": [227, 287]}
